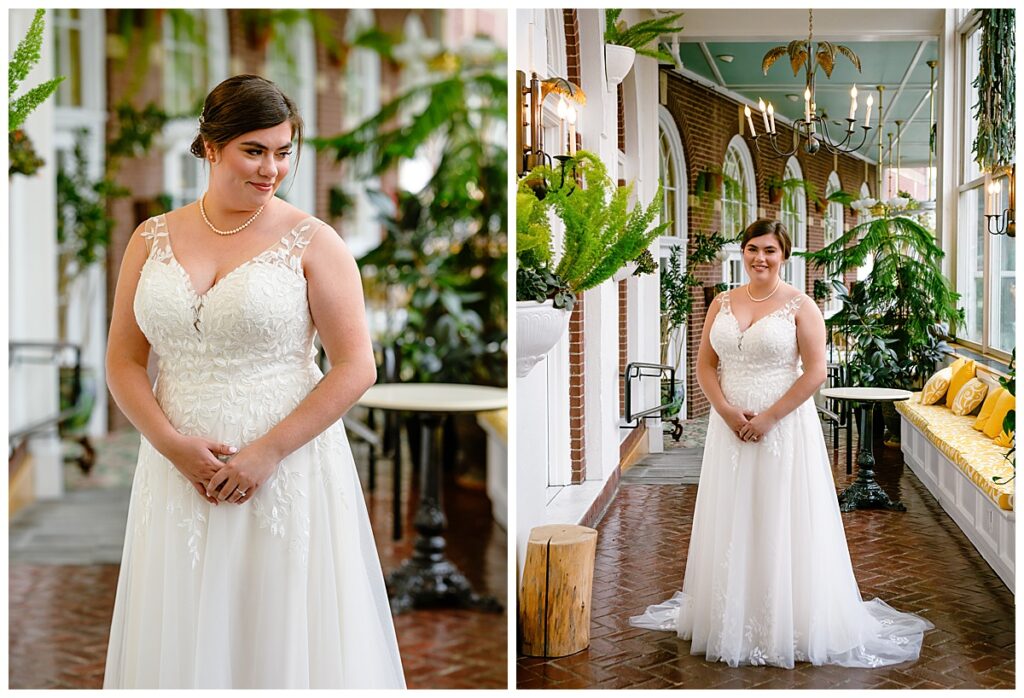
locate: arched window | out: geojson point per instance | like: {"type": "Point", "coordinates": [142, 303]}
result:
{"type": "Point", "coordinates": [194, 64]}
{"type": "Point", "coordinates": [739, 205]}
{"type": "Point", "coordinates": [291, 63]}
{"type": "Point", "coordinates": [794, 217]}
{"type": "Point", "coordinates": [863, 216]}
{"type": "Point", "coordinates": [671, 172]}
{"type": "Point", "coordinates": [834, 224]}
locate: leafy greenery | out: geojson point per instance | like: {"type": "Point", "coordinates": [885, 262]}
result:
{"type": "Point", "coordinates": [642, 36]}
{"type": "Point", "coordinates": [443, 258]}
{"type": "Point", "coordinates": [540, 284]}
{"type": "Point", "coordinates": [23, 158]}
{"type": "Point", "coordinates": [896, 318]}
{"type": "Point", "coordinates": [602, 234]}
{"type": "Point", "coordinates": [25, 56]}
{"type": "Point", "coordinates": [677, 285]}
{"type": "Point", "coordinates": [1010, 420]}
{"type": "Point", "coordinates": [83, 224]}
{"type": "Point", "coordinates": [994, 146]}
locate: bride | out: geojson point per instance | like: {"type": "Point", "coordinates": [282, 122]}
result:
{"type": "Point", "coordinates": [768, 574]}
{"type": "Point", "coordinates": [248, 561]}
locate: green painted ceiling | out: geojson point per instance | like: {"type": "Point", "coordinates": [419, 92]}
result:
{"type": "Point", "coordinates": [882, 63]}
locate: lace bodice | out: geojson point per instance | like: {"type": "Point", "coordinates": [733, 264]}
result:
{"type": "Point", "coordinates": [756, 366]}
{"type": "Point", "coordinates": [241, 354]}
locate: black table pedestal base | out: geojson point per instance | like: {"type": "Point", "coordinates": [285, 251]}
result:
{"type": "Point", "coordinates": [428, 578]}
{"type": "Point", "coordinates": [865, 492]}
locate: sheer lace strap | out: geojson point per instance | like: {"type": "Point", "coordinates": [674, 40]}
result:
{"type": "Point", "coordinates": [298, 238]}
{"type": "Point", "coordinates": [724, 302]}
{"type": "Point", "coordinates": [154, 231]}
{"type": "Point", "coordinates": [790, 309]}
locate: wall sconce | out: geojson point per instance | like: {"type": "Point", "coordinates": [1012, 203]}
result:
{"type": "Point", "coordinates": [530, 96]}
{"type": "Point", "coordinates": [1004, 223]}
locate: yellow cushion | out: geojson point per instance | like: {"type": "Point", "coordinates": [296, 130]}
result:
{"type": "Point", "coordinates": [960, 377]}
{"type": "Point", "coordinates": [936, 386]}
{"type": "Point", "coordinates": [978, 457]}
{"type": "Point", "coordinates": [994, 425]}
{"type": "Point", "coordinates": [986, 409]}
{"type": "Point", "coordinates": [1005, 440]}
{"type": "Point", "coordinates": [969, 397]}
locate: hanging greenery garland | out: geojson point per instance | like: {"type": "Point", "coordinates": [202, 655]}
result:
{"type": "Point", "coordinates": [994, 145]}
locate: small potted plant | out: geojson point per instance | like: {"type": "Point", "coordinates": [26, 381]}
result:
{"type": "Point", "coordinates": [623, 42]}
{"type": "Point", "coordinates": [602, 235]}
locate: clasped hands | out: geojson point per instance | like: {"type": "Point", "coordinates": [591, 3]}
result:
{"type": "Point", "coordinates": [748, 425]}
{"type": "Point", "coordinates": [220, 472]}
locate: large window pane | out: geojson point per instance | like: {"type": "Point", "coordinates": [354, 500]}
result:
{"type": "Point", "coordinates": [1002, 298]}
{"type": "Point", "coordinates": [971, 50]}
{"type": "Point", "coordinates": [971, 263]}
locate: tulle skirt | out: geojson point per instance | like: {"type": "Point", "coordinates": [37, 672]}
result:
{"type": "Point", "coordinates": [768, 575]}
{"type": "Point", "coordinates": [285, 591]}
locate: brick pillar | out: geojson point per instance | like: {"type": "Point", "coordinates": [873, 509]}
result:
{"type": "Point", "coordinates": [577, 439]}
{"type": "Point", "coordinates": [572, 45]}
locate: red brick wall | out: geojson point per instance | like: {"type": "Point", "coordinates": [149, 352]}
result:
{"type": "Point", "coordinates": [577, 395]}
{"type": "Point", "coordinates": [577, 440]}
{"type": "Point", "coordinates": [707, 121]}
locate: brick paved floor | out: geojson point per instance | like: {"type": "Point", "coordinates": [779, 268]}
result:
{"type": "Point", "coordinates": [59, 615]}
{"type": "Point", "coordinates": [918, 561]}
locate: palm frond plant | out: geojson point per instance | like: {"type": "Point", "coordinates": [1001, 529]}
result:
{"type": "Point", "coordinates": [895, 318]}
{"type": "Point", "coordinates": [643, 36]}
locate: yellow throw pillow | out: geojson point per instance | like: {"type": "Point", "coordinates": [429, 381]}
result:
{"type": "Point", "coordinates": [995, 421]}
{"type": "Point", "coordinates": [969, 397]}
{"type": "Point", "coordinates": [986, 409]}
{"type": "Point", "coordinates": [960, 377]}
{"type": "Point", "coordinates": [1005, 440]}
{"type": "Point", "coordinates": [936, 386]}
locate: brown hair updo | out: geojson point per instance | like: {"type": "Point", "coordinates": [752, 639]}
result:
{"type": "Point", "coordinates": [767, 226]}
{"type": "Point", "coordinates": [241, 104]}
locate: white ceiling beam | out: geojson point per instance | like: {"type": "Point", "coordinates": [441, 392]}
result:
{"type": "Point", "coordinates": [711, 63]}
{"type": "Point", "coordinates": [837, 25]}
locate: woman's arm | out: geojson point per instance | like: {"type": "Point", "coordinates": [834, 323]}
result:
{"type": "Point", "coordinates": [335, 292]}
{"type": "Point", "coordinates": [810, 339]}
{"type": "Point", "coordinates": [127, 356]}
{"type": "Point", "coordinates": [707, 374]}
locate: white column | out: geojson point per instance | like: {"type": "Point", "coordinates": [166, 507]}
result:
{"type": "Point", "coordinates": [946, 142]}
{"type": "Point", "coordinates": [32, 284]}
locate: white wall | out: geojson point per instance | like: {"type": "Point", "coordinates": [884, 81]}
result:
{"type": "Point", "coordinates": [32, 285]}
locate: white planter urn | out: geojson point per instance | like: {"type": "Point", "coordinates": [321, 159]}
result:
{"type": "Point", "coordinates": [538, 328]}
{"type": "Point", "coordinates": [618, 61]}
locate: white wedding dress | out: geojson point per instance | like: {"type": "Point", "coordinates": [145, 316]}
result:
{"type": "Point", "coordinates": [286, 590]}
{"type": "Point", "coordinates": [768, 574]}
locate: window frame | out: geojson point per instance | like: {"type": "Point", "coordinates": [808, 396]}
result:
{"type": "Point", "coordinates": [794, 270]}
{"type": "Point", "coordinates": [748, 183]}
{"type": "Point", "coordinates": [970, 228]}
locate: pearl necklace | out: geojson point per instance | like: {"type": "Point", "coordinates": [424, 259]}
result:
{"type": "Point", "coordinates": [202, 211]}
{"type": "Point", "coordinates": [758, 300]}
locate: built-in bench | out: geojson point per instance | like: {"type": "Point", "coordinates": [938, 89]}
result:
{"type": "Point", "coordinates": [957, 463]}
{"type": "Point", "coordinates": [495, 423]}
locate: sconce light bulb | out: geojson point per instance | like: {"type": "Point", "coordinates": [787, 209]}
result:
{"type": "Point", "coordinates": [562, 106]}
{"type": "Point", "coordinates": [570, 114]}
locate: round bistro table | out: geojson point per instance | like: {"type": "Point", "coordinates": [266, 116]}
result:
{"type": "Point", "coordinates": [428, 578]}
{"type": "Point", "coordinates": [865, 492]}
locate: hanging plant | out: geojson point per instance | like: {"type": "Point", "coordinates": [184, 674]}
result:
{"type": "Point", "coordinates": [643, 36]}
{"type": "Point", "coordinates": [995, 112]}
{"type": "Point", "coordinates": [26, 55]}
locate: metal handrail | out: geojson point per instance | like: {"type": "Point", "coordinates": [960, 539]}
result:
{"type": "Point", "coordinates": [635, 369]}
{"type": "Point", "coordinates": [54, 349]}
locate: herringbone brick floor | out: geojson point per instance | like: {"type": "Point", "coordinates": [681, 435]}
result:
{"type": "Point", "coordinates": [59, 615]}
{"type": "Point", "coordinates": [918, 561]}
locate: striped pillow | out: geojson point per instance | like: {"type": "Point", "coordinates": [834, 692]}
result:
{"type": "Point", "coordinates": [969, 397]}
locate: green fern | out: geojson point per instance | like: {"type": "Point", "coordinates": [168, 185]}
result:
{"type": "Point", "coordinates": [25, 56]}
{"type": "Point", "coordinates": [602, 233]}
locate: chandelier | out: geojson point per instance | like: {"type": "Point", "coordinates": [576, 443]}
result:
{"type": "Point", "coordinates": [812, 131]}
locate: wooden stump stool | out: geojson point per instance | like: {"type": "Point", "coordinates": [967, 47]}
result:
{"type": "Point", "coordinates": [554, 601]}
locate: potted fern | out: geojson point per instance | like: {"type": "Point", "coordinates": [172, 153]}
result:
{"type": "Point", "coordinates": [623, 42]}
{"type": "Point", "coordinates": [602, 235]}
